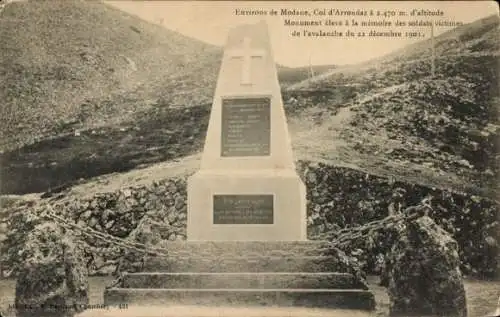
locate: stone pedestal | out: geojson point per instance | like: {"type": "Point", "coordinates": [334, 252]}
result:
{"type": "Point", "coordinates": [255, 205]}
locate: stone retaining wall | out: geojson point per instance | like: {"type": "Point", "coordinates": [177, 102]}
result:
{"type": "Point", "coordinates": [337, 198]}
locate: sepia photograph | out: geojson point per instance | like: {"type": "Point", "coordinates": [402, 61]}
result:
{"type": "Point", "coordinates": [249, 158]}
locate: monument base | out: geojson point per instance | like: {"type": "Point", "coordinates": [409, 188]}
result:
{"type": "Point", "coordinates": [258, 205]}
{"type": "Point", "coordinates": [246, 274]}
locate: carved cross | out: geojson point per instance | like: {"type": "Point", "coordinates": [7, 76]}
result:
{"type": "Point", "coordinates": [246, 53]}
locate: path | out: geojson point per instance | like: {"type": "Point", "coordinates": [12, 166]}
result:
{"type": "Point", "coordinates": [321, 138]}
{"type": "Point", "coordinates": [325, 136]}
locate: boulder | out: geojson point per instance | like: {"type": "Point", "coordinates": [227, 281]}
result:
{"type": "Point", "coordinates": [54, 279]}
{"type": "Point", "coordinates": [423, 272]}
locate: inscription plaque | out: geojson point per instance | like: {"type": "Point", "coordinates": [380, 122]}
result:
{"type": "Point", "coordinates": [246, 127]}
{"type": "Point", "coordinates": [243, 209]}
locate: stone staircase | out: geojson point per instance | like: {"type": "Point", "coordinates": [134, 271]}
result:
{"type": "Point", "coordinates": [285, 274]}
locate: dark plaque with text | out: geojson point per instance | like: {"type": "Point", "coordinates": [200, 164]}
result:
{"type": "Point", "coordinates": [246, 127]}
{"type": "Point", "coordinates": [243, 209]}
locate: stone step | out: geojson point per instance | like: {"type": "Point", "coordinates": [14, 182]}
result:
{"type": "Point", "coordinates": [242, 280]}
{"type": "Point", "coordinates": [196, 264]}
{"type": "Point", "coordinates": [317, 298]}
{"type": "Point", "coordinates": [218, 311]}
{"type": "Point", "coordinates": [244, 248]}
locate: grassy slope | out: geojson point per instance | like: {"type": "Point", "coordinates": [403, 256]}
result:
{"type": "Point", "coordinates": [73, 64]}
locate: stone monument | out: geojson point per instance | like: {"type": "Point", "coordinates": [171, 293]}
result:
{"type": "Point", "coordinates": [246, 228]}
{"type": "Point", "coordinates": [247, 187]}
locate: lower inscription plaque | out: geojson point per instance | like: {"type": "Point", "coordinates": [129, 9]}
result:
{"type": "Point", "coordinates": [243, 209]}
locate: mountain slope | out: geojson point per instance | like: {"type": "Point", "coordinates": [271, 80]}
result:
{"type": "Point", "coordinates": [67, 64]}
{"type": "Point", "coordinates": [476, 39]}
{"type": "Point", "coordinates": [399, 120]}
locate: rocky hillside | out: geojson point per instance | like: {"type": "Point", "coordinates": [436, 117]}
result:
{"type": "Point", "coordinates": [68, 65]}
{"type": "Point", "coordinates": [410, 123]}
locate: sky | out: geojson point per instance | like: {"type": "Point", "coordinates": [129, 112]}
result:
{"type": "Point", "coordinates": [210, 21]}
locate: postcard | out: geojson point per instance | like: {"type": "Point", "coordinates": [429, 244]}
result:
{"type": "Point", "coordinates": [249, 158]}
